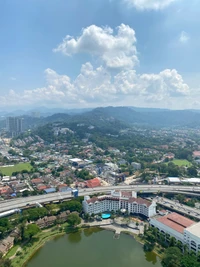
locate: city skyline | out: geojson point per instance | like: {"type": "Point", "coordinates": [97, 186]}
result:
{"type": "Point", "coordinates": [108, 52]}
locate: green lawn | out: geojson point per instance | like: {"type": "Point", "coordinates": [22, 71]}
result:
{"type": "Point", "coordinates": [182, 162]}
{"type": "Point", "coordinates": [16, 168]}
{"type": "Point", "coordinates": [12, 251]}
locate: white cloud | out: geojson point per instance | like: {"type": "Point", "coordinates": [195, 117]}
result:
{"type": "Point", "coordinates": [184, 37]}
{"type": "Point", "coordinates": [159, 87]}
{"type": "Point", "coordinates": [97, 86]}
{"type": "Point", "coordinates": [116, 51]}
{"type": "Point", "coordinates": [149, 4]}
{"type": "Point", "coordinates": [13, 78]}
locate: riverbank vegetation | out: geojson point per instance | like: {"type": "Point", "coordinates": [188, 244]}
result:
{"type": "Point", "coordinates": [4, 262]}
{"type": "Point", "coordinates": [173, 257]}
{"type": "Point", "coordinates": [29, 248]}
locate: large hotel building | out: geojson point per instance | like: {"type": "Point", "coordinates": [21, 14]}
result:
{"type": "Point", "coordinates": [118, 200]}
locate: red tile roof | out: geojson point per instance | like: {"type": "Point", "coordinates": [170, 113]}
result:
{"type": "Point", "coordinates": [93, 183]}
{"type": "Point", "coordinates": [94, 199]}
{"type": "Point", "coordinates": [37, 181]}
{"type": "Point", "coordinates": [175, 221]}
{"type": "Point", "coordinates": [126, 194]}
{"type": "Point", "coordinates": [41, 187]}
{"type": "Point", "coordinates": [196, 153]}
{"type": "Point", "coordinates": [140, 201]}
{"type": "Point", "coordinates": [5, 190]}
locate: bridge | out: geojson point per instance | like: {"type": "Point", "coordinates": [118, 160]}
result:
{"type": "Point", "coordinates": [19, 203]}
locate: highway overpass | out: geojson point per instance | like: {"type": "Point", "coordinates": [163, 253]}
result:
{"type": "Point", "coordinates": [178, 207]}
{"type": "Point", "coordinates": [60, 196]}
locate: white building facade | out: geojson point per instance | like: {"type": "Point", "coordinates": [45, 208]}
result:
{"type": "Point", "coordinates": [192, 237]}
{"type": "Point", "coordinates": [118, 200]}
{"type": "Point", "coordinates": [179, 227]}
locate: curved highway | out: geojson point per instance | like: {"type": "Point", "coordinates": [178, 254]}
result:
{"type": "Point", "coordinates": [59, 196]}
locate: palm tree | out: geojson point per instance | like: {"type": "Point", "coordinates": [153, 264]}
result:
{"type": "Point", "coordinates": [185, 249]}
{"type": "Point", "coordinates": [180, 245]}
{"type": "Point", "coordinates": [172, 241]}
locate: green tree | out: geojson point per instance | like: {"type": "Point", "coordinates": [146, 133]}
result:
{"type": "Point", "coordinates": [5, 262]}
{"type": "Point", "coordinates": [25, 193]}
{"type": "Point", "coordinates": [192, 171]}
{"type": "Point", "coordinates": [172, 242]}
{"type": "Point", "coordinates": [73, 219]}
{"type": "Point", "coordinates": [172, 257]}
{"type": "Point", "coordinates": [31, 230]}
{"type": "Point", "coordinates": [180, 198]}
{"type": "Point", "coordinates": [71, 205]}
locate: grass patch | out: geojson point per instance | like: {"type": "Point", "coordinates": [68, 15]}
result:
{"type": "Point", "coordinates": [182, 162]}
{"type": "Point", "coordinates": [12, 251]}
{"type": "Point", "coordinates": [16, 168]}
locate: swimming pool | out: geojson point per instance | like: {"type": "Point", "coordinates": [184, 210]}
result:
{"type": "Point", "coordinates": [105, 216]}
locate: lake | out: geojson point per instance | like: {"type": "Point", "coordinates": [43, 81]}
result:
{"type": "Point", "coordinates": [93, 247]}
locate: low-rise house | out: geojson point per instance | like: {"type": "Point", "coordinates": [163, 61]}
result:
{"type": "Point", "coordinates": [15, 233]}
{"type": "Point", "coordinates": [5, 190]}
{"type": "Point", "coordinates": [46, 221]}
{"type": "Point", "coordinates": [41, 187]}
{"type": "Point", "coordinates": [6, 244]}
{"type": "Point", "coordinates": [62, 217]}
{"type": "Point", "coordinates": [50, 190]}
{"type": "Point", "coordinates": [136, 166]}
{"type": "Point", "coordinates": [93, 183]}
{"type": "Point", "coordinates": [63, 188]}
{"type": "Point", "coordinates": [36, 181]}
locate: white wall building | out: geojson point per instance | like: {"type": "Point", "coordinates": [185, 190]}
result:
{"type": "Point", "coordinates": [180, 227]}
{"type": "Point", "coordinates": [136, 165]}
{"type": "Point", "coordinates": [118, 200]}
{"type": "Point", "coordinates": [192, 237]}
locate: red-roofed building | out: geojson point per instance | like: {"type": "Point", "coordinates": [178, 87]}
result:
{"type": "Point", "coordinates": [36, 181]}
{"type": "Point", "coordinates": [172, 224]}
{"type": "Point", "coordinates": [196, 154]}
{"type": "Point", "coordinates": [63, 188]}
{"type": "Point", "coordinates": [41, 187]}
{"type": "Point", "coordinates": [93, 183]}
{"type": "Point", "coordinates": [5, 190]}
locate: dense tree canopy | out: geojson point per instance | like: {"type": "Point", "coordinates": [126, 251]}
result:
{"type": "Point", "coordinates": [30, 231]}
{"type": "Point", "coordinates": [73, 219]}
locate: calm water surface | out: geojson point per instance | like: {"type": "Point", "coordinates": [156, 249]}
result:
{"type": "Point", "coordinates": [93, 247]}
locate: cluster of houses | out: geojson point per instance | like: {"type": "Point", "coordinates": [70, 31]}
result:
{"type": "Point", "coordinates": [48, 221]}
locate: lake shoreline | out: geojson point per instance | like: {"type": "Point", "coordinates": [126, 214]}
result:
{"type": "Point", "coordinates": [40, 243]}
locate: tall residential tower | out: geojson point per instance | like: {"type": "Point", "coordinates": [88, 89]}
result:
{"type": "Point", "coordinates": [14, 126]}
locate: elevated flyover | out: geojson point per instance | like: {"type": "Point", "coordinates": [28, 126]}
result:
{"type": "Point", "coordinates": [60, 196]}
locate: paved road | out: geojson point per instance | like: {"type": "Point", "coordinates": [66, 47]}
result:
{"type": "Point", "coordinates": [176, 206]}
{"type": "Point", "coordinates": [22, 202]}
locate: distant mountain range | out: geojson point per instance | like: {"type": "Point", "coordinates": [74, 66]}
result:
{"type": "Point", "coordinates": [126, 115]}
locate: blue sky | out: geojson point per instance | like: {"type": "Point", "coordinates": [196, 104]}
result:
{"type": "Point", "coordinates": [118, 52]}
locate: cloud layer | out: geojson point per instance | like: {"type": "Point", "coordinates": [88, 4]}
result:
{"type": "Point", "coordinates": [149, 4]}
{"type": "Point", "coordinates": [98, 86]}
